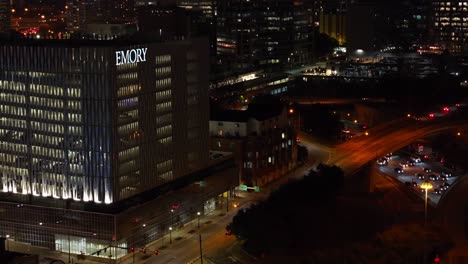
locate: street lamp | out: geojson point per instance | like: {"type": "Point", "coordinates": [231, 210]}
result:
{"type": "Point", "coordinates": [198, 216]}
{"type": "Point", "coordinates": [170, 234]}
{"type": "Point", "coordinates": [426, 186]}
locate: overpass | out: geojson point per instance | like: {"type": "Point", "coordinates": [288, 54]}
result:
{"type": "Point", "coordinates": [452, 210]}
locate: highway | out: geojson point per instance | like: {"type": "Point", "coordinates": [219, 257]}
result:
{"type": "Point", "coordinates": [353, 154]}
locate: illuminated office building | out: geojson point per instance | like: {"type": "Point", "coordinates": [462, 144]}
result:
{"type": "Point", "coordinates": [450, 24]}
{"type": "Point", "coordinates": [98, 123]}
{"type": "Point", "coordinates": [79, 14]}
{"type": "Point", "coordinates": [92, 132]}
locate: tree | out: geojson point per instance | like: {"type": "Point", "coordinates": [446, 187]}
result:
{"type": "Point", "coordinates": [324, 44]}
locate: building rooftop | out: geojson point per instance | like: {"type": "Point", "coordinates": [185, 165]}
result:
{"type": "Point", "coordinates": [83, 41]}
{"type": "Point", "coordinates": [261, 109]}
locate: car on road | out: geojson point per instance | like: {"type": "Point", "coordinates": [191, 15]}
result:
{"type": "Point", "coordinates": [443, 187]}
{"type": "Point", "coordinates": [420, 176]}
{"type": "Point", "coordinates": [404, 165]}
{"type": "Point", "coordinates": [446, 174]}
{"type": "Point", "coordinates": [443, 178]}
{"type": "Point", "coordinates": [398, 170]}
{"type": "Point", "coordinates": [415, 159]}
{"type": "Point", "coordinates": [433, 177]}
{"type": "Point", "coordinates": [427, 170]}
{"type": "Point", "coordinates": [388, 156]}
{"type": "Point", "coordinates": [411, 163]}
{"type": "Point", "coordinates": [382, 162]}
{"type": "Point", "coordinates": [437, 191]}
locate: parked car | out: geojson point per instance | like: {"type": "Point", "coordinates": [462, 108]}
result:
{"type": "Point", "coordinates": [437, 191]}
{"type": "Point", "coordinates": [382, 162]}
{"type": "Point", "coordinates": [443, 187]}
{"type": "Point", "coordinates": [433, 177]}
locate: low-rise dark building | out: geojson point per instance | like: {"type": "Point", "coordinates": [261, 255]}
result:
{"type": "Point", "coordinates": [262, 139]}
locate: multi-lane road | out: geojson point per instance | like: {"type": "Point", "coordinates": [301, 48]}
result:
{"type": "Point", "coordinates": [354, 154]}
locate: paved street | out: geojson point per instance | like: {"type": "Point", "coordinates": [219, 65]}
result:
{"type": "Point", "coordinates": [218, 247]}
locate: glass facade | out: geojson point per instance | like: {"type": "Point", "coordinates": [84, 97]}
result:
{"type": "Point", "coordinates": [88, 131]}
{"type": "Point", "coordinates": [55, 127]}
{"type": "Point", "coordinates": [77, 126]}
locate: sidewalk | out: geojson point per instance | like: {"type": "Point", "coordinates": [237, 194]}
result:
{"type": "Point", "coordinates": [188, 231]}
{"type": "Point", "coordinates": [178, 236]}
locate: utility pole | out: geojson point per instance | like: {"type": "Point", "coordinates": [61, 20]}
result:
{"type": "Point", "coordinates": [227, 201]}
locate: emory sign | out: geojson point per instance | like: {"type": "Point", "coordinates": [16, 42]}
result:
{"type": "Point", "coordinates": [130, 56]}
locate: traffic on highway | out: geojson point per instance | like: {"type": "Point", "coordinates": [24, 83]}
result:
{"type": "Point", "coordinates": [413, 170]}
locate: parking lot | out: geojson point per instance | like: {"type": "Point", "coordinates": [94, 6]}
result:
{"type": "Point", "coordinates": [413, 175]}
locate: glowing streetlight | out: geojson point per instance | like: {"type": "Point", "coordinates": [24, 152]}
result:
{"type": "Point", "coordinates": [426, 186]}
{"type": "Point", "coordinates": [355, 121]}
{"type": "Point", "coordinates": [366, 133]}
{"type": "Point", "coordinates": [458, 133]}
{"type": "Point", "coordinates": [408, 115]}
{"type": "Point", "coordinates": [198, 216]}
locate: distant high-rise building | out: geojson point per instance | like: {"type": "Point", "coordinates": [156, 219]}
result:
{"type": "Point", "coordinates": [5, 22]}
{"type": "Point", "coordinates": [334, 25]}
{"type": "Point", "coordinates": [208, 7]}
{"type": "Point", "coordinates": [450, 24]}
{"type": "Point", "coordinates": [122, 11]}
{"type": "Point", "coordinates": [202, 15]}
{"type": "Point", "coordinates": [166, 22]}
{"type": "Point", "coordinates": [80, 14]}
{"type": "Point", "coordinates": [262, 33]}
{"type": "Point", "coordinates": [360, 26]}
